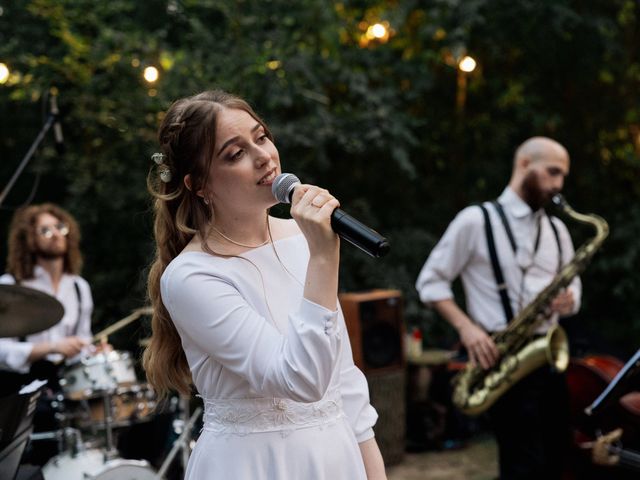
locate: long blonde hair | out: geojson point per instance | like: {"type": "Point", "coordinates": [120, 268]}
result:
{"type": "Point", "coordinates": [187, 137]}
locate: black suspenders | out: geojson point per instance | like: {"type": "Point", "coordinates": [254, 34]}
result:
{"type": "Point", "coordinates": [497, 269]}
{"type": "Point", "coordinates": [493, 255]}
{"type": "Point", "coordinates": [79, 297]}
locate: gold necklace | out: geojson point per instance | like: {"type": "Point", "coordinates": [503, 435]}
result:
{"type": "Point", "coordinates": [238, 243]}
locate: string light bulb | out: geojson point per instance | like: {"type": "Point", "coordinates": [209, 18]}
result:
{"type": "Point", "coordinates": [377, 30]}
{"type": "Point", "coordinates": [467, 64]}
{"type": "Point", "coordinates": [151, 74]}
{"type": "Point", "coordinates": [4, 73]}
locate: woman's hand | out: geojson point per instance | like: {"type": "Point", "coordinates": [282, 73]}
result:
{"type": "Point", "coordinates": [312, 208]}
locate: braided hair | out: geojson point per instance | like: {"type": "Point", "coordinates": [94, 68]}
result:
{"type": "Point", "coordinates": [187, 138]}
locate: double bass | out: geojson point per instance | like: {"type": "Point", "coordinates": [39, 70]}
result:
{"type": "Point", "coordinates": [602, 399]}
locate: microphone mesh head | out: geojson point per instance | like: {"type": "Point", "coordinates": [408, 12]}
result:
{"type": "Point", "coordinates": [283, 185]}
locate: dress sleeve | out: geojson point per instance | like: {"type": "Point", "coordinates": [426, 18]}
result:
{"type": "Point", "coordinates": [355, 394]}
{"type": "Point", "coordinates": [210, 312]}
{"type": "Point", "coordinates": [449, 256]}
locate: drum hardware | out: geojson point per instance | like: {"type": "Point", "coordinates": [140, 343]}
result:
{"type": "Point", "coordinates": [111, 452]}
{"type": "Point", "coordinates": [183, 424]}
{"type": "Point", "coordinates": [24, 311]}
{"type": "Point", "coordinates": [65, 437]}
{"type": "Point", "coordinates": [182, 443]}
{"type": "Point", "coordinates": [84, 460]}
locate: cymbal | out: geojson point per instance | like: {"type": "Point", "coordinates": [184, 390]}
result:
{"type": "Point", "coordinates": [24, 311]}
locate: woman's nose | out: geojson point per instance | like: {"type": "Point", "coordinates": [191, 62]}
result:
{"type": "Point", "coordinates": [262, 157]}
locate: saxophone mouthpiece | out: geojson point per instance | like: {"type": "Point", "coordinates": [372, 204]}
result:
{"type": "Point", "coordinates": [559, 201]}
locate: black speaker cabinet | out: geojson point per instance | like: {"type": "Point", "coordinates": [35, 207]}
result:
{"type": "Point", "coordinates": [376, 329]}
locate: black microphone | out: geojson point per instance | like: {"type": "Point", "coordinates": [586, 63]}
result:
{"type": "Point", "coordinates": [57, 127]}
{"type": "Point", "coordinates": [347, 227]}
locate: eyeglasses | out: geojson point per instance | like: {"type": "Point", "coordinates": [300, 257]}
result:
{"type": "Point", "coordinates": [46, 231]}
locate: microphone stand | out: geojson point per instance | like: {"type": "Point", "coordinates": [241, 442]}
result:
{"type": "Point", "coordinates": [27, 158]}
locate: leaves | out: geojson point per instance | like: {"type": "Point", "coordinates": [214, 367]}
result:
{"type": "Point", "coordinates": [376, 122]}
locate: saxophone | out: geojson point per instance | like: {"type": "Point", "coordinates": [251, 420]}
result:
{"type": "Point", "coordinates": [476, 389]}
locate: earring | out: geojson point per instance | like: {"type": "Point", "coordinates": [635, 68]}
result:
{"type": "Point", "coordinates": [205, 200]}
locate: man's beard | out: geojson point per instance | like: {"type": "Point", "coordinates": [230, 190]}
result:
{"type": "Point", "coordinates": [50, 255]}
{"type": "Point", "coordinates": [532, 194]}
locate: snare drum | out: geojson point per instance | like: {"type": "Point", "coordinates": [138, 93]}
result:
{"type": "Point", "coordinates": [129, 405]}
{"type": "Point", "coordinates": [97, 373]}
{"type": "Point", "coordinates": [91, 465]}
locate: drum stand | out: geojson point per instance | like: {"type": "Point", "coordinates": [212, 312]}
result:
{"type": "Point", "coordinates": [182, 441]}
{"type": "Point", "coordinates": [110, 451]}
{"type": "Point", "coordinates": [62, 436]}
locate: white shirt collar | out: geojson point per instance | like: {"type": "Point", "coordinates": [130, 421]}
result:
{"type": "Point", "coordinates": [40, 274]}
{"type": "Point", "coordinates": [516, 206]}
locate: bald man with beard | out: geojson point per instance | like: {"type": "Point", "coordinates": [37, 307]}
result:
{"type": "Point", "coordinates": [531, 420]}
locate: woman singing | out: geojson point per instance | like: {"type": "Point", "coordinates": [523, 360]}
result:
{"type": "Point", "coordinates": [246, 308]}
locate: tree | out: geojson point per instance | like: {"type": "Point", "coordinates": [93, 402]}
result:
{"type": "Point", "coordinates": [375, 120]}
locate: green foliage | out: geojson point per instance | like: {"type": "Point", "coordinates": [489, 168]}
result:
{"type": "Point", "coordinates": [376, 123]}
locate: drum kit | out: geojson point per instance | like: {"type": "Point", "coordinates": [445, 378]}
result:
{"type": "Point", "coordinates": [100, 395]}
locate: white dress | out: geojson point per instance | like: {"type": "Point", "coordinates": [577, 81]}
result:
{"type": "Point", "coordinates": [282, 397]}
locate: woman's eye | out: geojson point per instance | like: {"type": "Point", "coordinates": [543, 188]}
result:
{"type": "Point", "coordinates": [262, 138]}
{"type": "Point", "coordinates": [237, 155]}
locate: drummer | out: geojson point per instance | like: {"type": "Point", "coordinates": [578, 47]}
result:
{"type": "Point", "coordinates": [44, 254]}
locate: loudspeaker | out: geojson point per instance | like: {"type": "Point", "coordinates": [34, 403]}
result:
{"type": "Point", "coordinates": [376, 329]}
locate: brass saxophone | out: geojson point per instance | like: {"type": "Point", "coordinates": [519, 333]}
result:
{"type": "Point", "coordinates": [476, 389]}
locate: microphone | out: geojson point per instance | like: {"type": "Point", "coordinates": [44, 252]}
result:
{"type": "Point", "coordinates": [347, 227]}
{"type": "Point", "coordinates": [57, 127]}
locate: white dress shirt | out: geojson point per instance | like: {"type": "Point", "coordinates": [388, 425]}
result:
{"type": "Point", "coordinates": [463, 251]}
{"type": "Point", "coordinates": [14, 354]}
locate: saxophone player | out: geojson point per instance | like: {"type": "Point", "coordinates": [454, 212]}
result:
{"type": "Point", "coordinates": [505, 252]}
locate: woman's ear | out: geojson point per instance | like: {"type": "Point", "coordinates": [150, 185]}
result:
{"type": "Point", "coordinates": [187, 183]}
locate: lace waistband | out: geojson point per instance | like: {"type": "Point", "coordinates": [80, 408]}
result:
{"type": "Point", "coordinates": [253, 415]}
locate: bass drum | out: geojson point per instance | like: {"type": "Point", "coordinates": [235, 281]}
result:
{"type": "Point", "coordinates": [91, 465]}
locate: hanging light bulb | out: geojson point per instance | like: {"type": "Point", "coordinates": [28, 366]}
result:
{"type": "Point", "coordinates": [151, 74]}
{"type": "Point", "coordinates": [467, 64]}
{"type": "Point", "coordinates": [4, 73]}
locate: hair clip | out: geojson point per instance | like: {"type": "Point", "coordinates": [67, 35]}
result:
{"type": "Point", "coordinates": [165, 174]}
{"type": "Point", "coordinates": [158, 158]}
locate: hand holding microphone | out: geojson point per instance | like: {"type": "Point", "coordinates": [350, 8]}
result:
{"type": "Point", "coordinates": [347, 227]}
